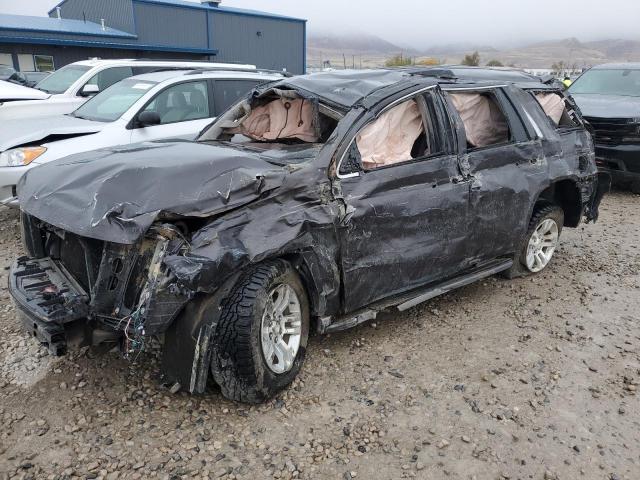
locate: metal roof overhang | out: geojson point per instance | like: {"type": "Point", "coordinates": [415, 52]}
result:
{"type": "Point", "coordinates": [91, 43]}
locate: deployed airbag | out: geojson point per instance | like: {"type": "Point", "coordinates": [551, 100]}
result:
{"type": "Point", "coordinates": [391, 137]}
{"type": "Point", "coordinates": [483, 120]}
{"type": "Point", "coordinates": [553, 105]}
{"type": "Point", "coordinates": [280, 119]}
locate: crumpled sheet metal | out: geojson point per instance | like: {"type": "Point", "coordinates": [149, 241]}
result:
{"type": "Point", "coordinates": [114, 196]}
{"type": "Point", "coordinates": [346, 88]}
{"type": "Point", "coordinates": [294, 221]}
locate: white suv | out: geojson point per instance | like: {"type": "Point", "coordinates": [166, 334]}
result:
{"type": "Point", "coordinates": [147, 107]}
{"type": "Point", "coordinates": [71, 86]}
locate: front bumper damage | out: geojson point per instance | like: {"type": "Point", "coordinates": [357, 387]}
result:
{"type": "Point", "coordinates": [115, 294]}
{"type": "Point", "coordinates": [48, 299]}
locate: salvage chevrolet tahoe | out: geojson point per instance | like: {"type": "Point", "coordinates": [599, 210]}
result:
{"type": "Point", "coordinates": [320, 200]}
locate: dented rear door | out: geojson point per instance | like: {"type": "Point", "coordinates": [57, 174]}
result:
{"type": "Point", "coordinates": [503, 178]}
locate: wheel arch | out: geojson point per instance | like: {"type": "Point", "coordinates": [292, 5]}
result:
{"type": "Point", "coordinates": [566, 194]}
{"type": "Point", "coordinates": [320, 277]}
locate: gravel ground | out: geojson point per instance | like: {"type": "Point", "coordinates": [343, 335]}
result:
{"type": "Point", "coordinates": [528, 379]}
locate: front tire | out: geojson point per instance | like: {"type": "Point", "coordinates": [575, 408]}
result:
{"type": "Point", "coordinates": [540, 242]}
{"type": "Point", "coordinates": [261, 338]}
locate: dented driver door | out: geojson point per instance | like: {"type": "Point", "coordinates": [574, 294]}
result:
{"type": "Point", "coordinates": [405, 223]}
{"type": "Point", "coordinates": [502, 177]}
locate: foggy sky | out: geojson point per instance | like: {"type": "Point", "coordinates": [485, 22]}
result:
{"type": "Point", "coordinates": [425, 23]}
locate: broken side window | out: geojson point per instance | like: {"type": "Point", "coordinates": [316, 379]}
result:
{"type": "Point", "coordinates": [555, 107]}
{"type": "Point", "coordinates": [484, 121]}
{"type": "Point", "coordinates": [395, 136]}
{"type": "Point", "coordinates": [399, 134]}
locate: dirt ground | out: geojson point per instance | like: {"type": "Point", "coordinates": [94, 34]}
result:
{"type": "Point", "coordinates": [529, 379]}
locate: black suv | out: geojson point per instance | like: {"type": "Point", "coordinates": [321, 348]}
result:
{"type": "Point", "coordinates": [609, 97]}
{"type": "Point", "coordinates": [320, 200]}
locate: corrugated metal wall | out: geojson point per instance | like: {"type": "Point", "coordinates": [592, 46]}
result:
{"type": "Point", "coordinates": [118, 14]}
{"type": "Point", "coordinates": [162, 25]}
{"type": "Point", "coordinates": [266, 42]}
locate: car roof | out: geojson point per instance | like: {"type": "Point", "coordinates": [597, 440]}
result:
{"type": "Point", "coordinates": [347, 87]}
{"type": "Point", "coordinates": [95, 62]}
{"type": "Point", "coordinates": [164, 75]}
{"type": "Point", "coordinates": [617, 66]}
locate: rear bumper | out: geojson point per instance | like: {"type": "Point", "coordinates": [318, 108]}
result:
{"type": "Point", "coordinates": [602, 187]}
{"type": "Point", "coordinates": [48, 300]}
{"type": "Point", "coordinates": [622, 162]}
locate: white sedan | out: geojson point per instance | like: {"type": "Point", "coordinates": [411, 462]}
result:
{"type": "Point", "coordinates": [147, 107]}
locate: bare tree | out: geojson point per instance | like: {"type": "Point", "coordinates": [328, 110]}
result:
{"type": "Point", "coordinates": [472, 60]}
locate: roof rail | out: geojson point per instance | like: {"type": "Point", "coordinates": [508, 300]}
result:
{"type": "Point", "coordinates": [201, 70]}
{"type": "Point", "coordinates": [435, 72]}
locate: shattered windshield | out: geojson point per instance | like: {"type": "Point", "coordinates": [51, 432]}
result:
{"type": "Point", "coordinates": [278, 117]}
{"type": "Point", "coordinates": [111, 104]}
{"type": "Point", "coordinates": [622, 82]}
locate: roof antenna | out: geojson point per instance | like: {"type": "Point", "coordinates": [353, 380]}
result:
{"type": "Point", "coordinates": [84, 15]}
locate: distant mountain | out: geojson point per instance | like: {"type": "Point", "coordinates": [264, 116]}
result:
{"type": "Point", "coordinates": [370, 51]}
{"type": "Point", "coordinates": [359, 43]}
{"type": "Point", "coordinates": [621, 50]}
{"type": "Point", "coordinates": [352, 50]}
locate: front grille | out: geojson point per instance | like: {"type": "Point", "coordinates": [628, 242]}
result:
{"type": "Point", "coordinates": [633, 167]}
{"type": "Point", "coordinates": [614, 131]}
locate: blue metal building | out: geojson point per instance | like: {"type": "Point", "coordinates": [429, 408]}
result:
{"type": "Point", "coordinates": [177, 29]}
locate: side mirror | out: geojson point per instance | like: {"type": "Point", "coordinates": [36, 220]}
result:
{"type": "Point", "coordinates": [89, 90]}
{"type": "Point", "coordinates": [149, 119]}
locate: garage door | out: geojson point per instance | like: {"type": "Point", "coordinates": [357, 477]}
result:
{"type": "Point", "coordinates": [5, 59]}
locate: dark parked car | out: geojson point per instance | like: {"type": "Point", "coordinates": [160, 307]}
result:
{"type": "Point", "coordinates": [27, 79]}
{"type": "Point", "coordinates": [609, 97]}
{"type": "Point", "coordinates": [319, 201]}
{"type": "Point", "coordinates": [6, 72]}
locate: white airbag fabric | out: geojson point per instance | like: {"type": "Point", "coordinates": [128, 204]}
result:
{"type": "Point", "coordinates": [553, 105]}
{"type": "Point", "coordinates": [391, 137]}
{"type": "Point", "coordinates": [280, 119]}
{"type": "Point", "coordinates": [484, 123]}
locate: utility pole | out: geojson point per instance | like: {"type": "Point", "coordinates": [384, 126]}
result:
{"type": "Point", "coordinates": [344, 61]}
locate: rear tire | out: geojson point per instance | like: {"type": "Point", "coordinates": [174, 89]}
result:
{"type": "Point", "coordinates": [635, 187]}
{"type": "Point", "coordinates": [540, 242]}
{"type": "Point", "coordinates": [261, 338]}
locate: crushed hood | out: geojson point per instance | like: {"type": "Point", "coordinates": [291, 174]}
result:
{"type": "Point", "coordinates": [35, 130]}
{"type": "Point", "coordinates": [12, 92]}
{"type": "Point", "coordinates": [115, 194]}
{"type": "Point", "coordinates": [608, 106]}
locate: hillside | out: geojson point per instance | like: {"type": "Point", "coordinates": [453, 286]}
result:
{"type": "Point", "coordinates": [370, 51]}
